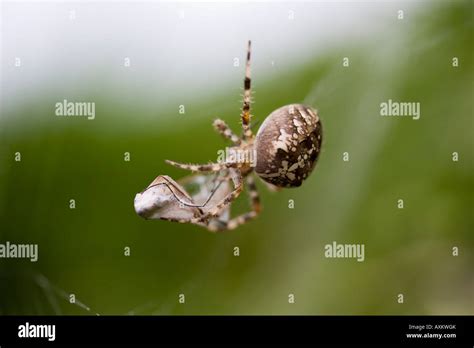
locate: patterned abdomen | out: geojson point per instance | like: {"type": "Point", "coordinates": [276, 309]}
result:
{"type": "Point", "coordinates": [288, 144]}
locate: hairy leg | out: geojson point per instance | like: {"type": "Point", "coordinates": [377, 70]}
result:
{"type": "Point", "coordinates": [210, 167]}
{"type": "Point", "coordinates": [243, 218]}
{"type": "Point", "coordinates": [223, 129]}
{"type": "Point", "coordinates": [227, 200]}
{"type": "Point", "coordinates": [245, 115]}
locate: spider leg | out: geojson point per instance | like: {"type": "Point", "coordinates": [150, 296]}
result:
{"type": "Point", "coordinates": [220, 190]}
{"type": "Point", "coordinates": [245, 115]}
{"type": "Point", "coordinates": [211, 167]}
{"type": "Point", "coordinates": [253, 193]}
{"type": "Point", "coordinates": [225, 201]}
{"type": "Point", "coordinates": [221, 127]}
{"type": "Point", "coordinates": [243, 218]}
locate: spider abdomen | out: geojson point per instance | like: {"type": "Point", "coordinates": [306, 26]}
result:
{"type": "Point", "coordinates": [288, 144]}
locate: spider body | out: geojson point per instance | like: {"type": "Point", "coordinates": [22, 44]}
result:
{"type": "Point", "coordinates": [287, 145]}
{"type": "Point", "coordinates": [286, 149]}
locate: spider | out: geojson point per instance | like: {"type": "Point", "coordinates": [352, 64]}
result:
{"type": "Point", "coordinates": [286, 148]}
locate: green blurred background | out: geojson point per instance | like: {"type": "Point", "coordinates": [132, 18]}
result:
{"type": "Point", "coordinates": [407, 251]}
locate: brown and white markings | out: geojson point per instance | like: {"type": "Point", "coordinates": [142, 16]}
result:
{"type": "Point", "coordinates": [287, 147]}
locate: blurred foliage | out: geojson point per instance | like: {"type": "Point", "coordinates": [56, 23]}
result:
{"type": "Point", "coordinates": [408, 251]}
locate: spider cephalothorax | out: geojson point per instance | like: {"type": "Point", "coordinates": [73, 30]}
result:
{"type": "Point", "coordinates": [285, 151]}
